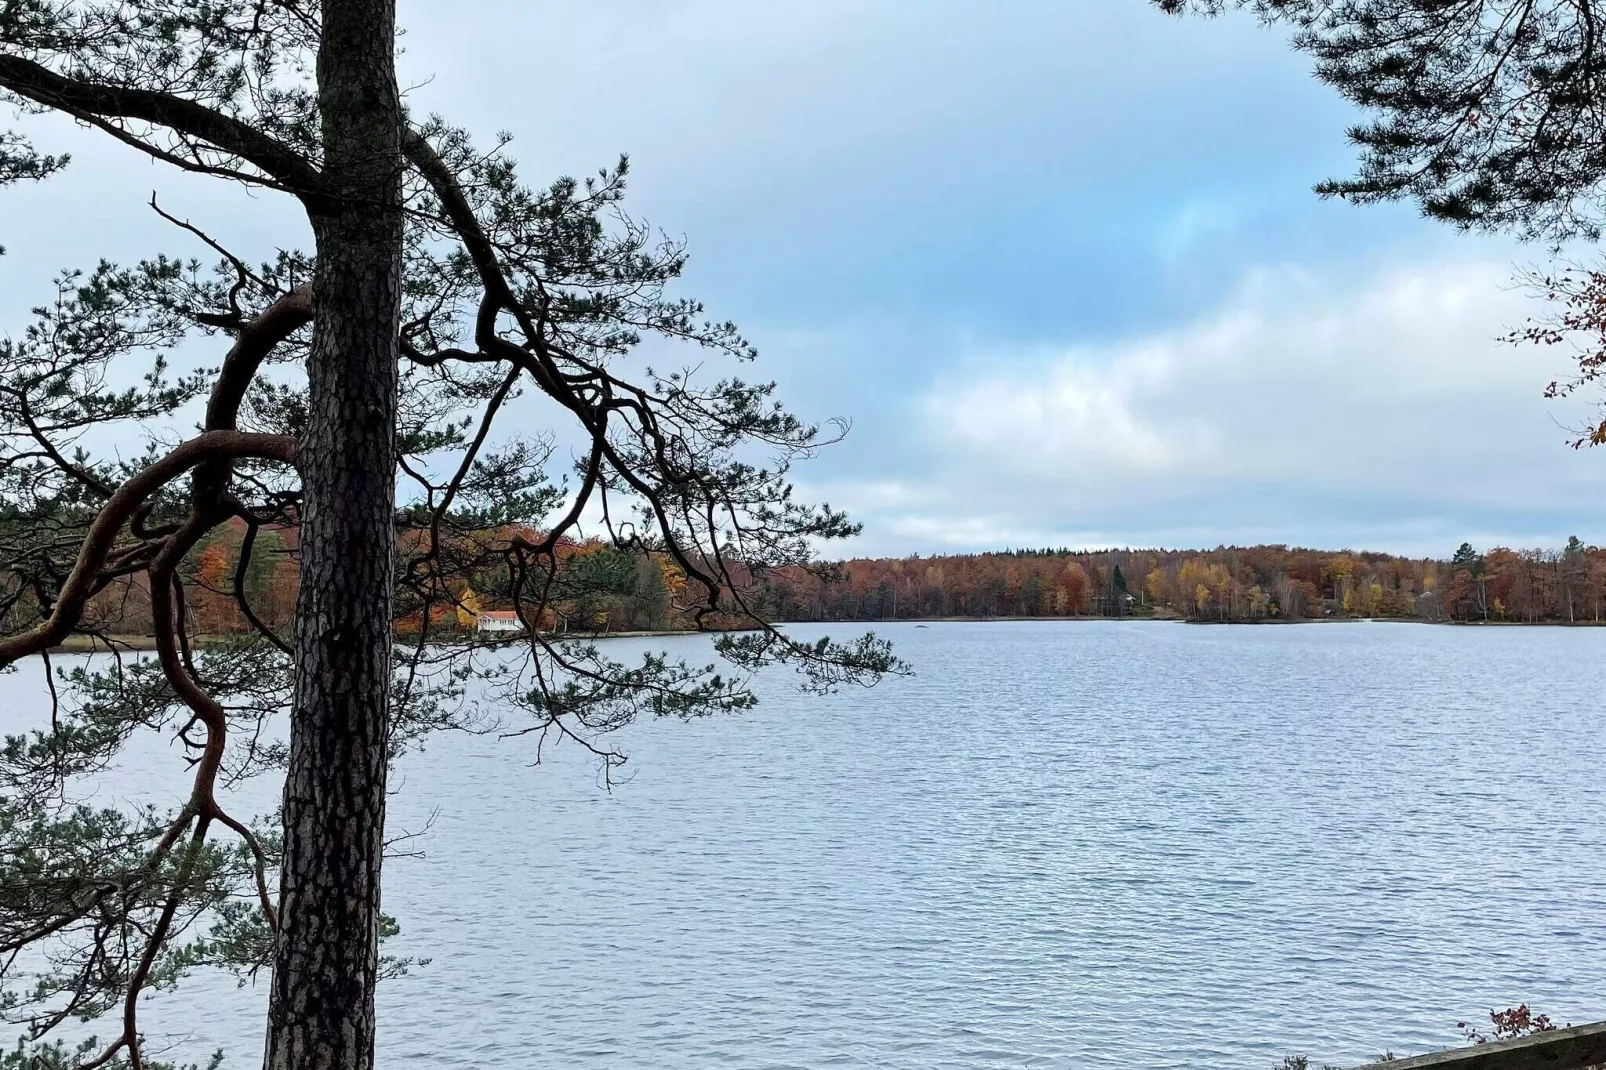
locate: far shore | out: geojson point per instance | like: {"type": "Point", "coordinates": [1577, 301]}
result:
{"type": "Point", "coordinates": [87, 644]}
{"type": "Point", "coordinates": [83, 644]}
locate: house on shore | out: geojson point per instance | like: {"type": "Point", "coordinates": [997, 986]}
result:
{"type": "Point", "coordinates": [498, 620]}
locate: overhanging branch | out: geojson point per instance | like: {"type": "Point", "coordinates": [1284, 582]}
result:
{"type": "Point", "coordinates": [42, 85]}
{"type": "Point", "coordinates": [119, 508]}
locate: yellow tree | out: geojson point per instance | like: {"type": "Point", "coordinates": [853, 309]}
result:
{"type": "Point", "coordinates": [1154, 586]}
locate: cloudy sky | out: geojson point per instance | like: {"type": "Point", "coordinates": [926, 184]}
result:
{"type": "Point", "coordinates": [1058, 262]}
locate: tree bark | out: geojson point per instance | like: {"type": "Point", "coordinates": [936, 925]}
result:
{"type": "Point", "coordinates": [321, 1011]}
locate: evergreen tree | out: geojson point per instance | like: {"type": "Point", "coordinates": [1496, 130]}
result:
{"type": "Point", "coordinates": [1486, 114]}
{"type": "Point", "coordinates": [439, 285]}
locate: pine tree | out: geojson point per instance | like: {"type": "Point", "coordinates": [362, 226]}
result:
{"type": "Point", "coordinates": [440, 284]}
{"type": "Point", "coordinates": [1485, 114]}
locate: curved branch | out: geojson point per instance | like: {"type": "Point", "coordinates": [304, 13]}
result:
{"type": "Point", "coordinates": [42, 85]}
{"type": "Point", "coordinates": [169, 654]}
{"type": "Point", "coordinates": [120, 507]}
{"type": "Point", "coordinates": [240, 571]}
{"type": "Point", "coordinates": [107, 1054]}
{"type": "Point", "coordinates": [256, 340]}
{"type": "Point", "coordinates": [259, 864]}
{"type": "Point", "coordinates": [154, 946]}
{"type": "Point", "coordinates": [499, 296]}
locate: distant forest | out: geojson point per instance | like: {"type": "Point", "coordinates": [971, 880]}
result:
{"type": "Point", "coordinates": [601, 588]}
{"type": "Point", "coordinates": [1229, 584]}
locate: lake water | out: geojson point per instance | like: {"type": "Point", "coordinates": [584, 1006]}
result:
{"type": "Point", "coordinates": [1078, 845]}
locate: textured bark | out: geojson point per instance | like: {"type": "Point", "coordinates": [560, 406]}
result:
{"type": "Point", "coordinates": [321, 1013]}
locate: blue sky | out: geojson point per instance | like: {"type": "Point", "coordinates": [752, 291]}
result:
{"type": "Point", "coordinates": [1058, 262]}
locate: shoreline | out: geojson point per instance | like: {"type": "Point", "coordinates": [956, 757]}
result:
{"type": "Point", "coordinates": [82, 644]}
{"type": "Point", "coordinates": [1276, 621]}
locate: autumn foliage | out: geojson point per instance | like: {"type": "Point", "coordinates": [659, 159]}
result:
{"type": "Point", "coordinates": [600, 588]}
{"type": "Point", "coordinates": [1229, 584]}
{"type": "Point", "coordinates": [1509, 1024]}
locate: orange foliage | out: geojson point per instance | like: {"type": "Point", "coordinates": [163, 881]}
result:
{"type": "Point", "coordinates": [1226, 584]}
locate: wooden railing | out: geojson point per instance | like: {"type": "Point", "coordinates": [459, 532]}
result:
{"type": "Point", "coordinates": [1578, 1047]}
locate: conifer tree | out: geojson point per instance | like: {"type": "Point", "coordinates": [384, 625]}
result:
{"type": "Point", "coordinates": [1486, 113]}
{"type": "Point", "coordinates": [439, 285]}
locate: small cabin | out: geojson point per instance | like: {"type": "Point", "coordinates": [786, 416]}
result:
{"type": "Point", "coordinates": [499, 620]}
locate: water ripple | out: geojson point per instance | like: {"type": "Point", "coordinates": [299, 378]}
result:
{"type": "Point", "coordinates": [1059, 846]}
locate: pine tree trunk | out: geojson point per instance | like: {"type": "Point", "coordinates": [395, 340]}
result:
{"type": "Point", "coordinates": [321, 1011]}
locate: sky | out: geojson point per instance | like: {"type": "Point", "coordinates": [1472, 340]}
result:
{"type": "Point", "coordinates": [1057, 261]}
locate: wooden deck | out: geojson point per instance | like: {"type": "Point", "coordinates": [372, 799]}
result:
{"type": "Point", "coordinates": [1579, 1047]}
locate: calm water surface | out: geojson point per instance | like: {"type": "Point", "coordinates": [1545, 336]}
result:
{"type": "Point", "coordinates": [1059, 845]}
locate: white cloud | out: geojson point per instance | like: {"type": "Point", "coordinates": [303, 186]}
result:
{"type": "Point", "coordinates": [1002, 167]}
{"type": "Point", "coordinates": [1379, 411]}
{"type": "Point", "coordinates": [1075, 412]}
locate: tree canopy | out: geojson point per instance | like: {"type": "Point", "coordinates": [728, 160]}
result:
{"type": "Point", "coordinates": [1486, 113]}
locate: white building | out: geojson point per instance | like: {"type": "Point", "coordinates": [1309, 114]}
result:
{"type": "Point", "coordinates": [500, 621]}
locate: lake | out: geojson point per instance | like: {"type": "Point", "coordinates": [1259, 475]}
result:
{"type": "Point", "coordinates": [1099, 844]}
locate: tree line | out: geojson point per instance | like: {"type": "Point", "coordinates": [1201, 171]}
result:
{"type": "Point", "coordinates": [599, 587]}
{"type": "Point", "coordinates": [1227, 584]}
{"type": "Point", "coordinates": [239, 580]}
